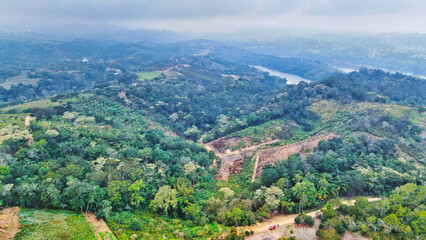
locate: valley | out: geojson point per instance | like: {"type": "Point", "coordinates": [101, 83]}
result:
{"type": "Point", "coordinates": [202, 139]}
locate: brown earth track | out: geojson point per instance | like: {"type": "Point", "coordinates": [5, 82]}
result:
{"type": "Point", "coordinates": [27, 123]}
{"type": "Point", "coordinates": [99, 226]}
{"type": "Point", "coordinates": [9, 223]}
{"type": "Point", "coordinates": [284, 220]}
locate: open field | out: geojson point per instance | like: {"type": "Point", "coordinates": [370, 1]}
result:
{"type": "Point", "coordinates": [148, 75]}
{"type": "Point", "coordinates": [53, 224]}
{"type": "Point", "coordinates": [19, 79]}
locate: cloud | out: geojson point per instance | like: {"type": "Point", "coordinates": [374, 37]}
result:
{"type": "Point", "coordinates": [222, 15]}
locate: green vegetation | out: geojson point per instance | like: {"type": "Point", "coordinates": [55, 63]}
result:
{"type": "Point", "coordinates": [20, 79]}
{"type": "Point", "coordinates": [148, 75]}
{"type": "Point", "coordinates": [400, 216]}
{"type": "Point", "coordinates": [53, 224]}
{"type": "Point", "coordinates": [101, 152]}
{"type": "Point", "coordinates": [146, 225]}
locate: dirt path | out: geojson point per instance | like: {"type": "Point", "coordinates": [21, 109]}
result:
{"type": "Point", "coordinates": [9, 224]}
{"type": "Point", "coordinates": [289, 219]}
{"type": "Point", "coordinates": [27, 123]}
{"type": "Point", "coordinates": [255, 168]}
{"type": "Point", "coordinates": [100, 228]}
{"type": "Point", "coordinates": [232, 161]}
{"type": "Point", "coordinates": [27, 120]}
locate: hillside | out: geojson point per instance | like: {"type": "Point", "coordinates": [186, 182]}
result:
{"type": "Point", "coordinates": [192, 141]}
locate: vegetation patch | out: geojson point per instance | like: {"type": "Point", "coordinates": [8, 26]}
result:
{"type": "Point", "coordinates": [148, 75]}
{"type": "Point", "coordinates": [53, 224]}
{"type": "Point", "coordinates": [22, 78]}
{"type": "Point", "coordinates": [145, 225]}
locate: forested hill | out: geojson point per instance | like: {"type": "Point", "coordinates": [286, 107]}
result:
{"type": "Point", "coordinates": [36, 69]}
{"type": "Point", "coordinates": [183, 140]}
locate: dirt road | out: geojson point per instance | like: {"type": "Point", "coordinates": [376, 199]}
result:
{"type": "Point", "coordinates": [232, 161]}
{"type": "Point", "coordinates": [9, 224]}
{"type": "Point", "coordinates": [289, 219]}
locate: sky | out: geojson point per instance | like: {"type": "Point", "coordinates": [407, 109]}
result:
{"type": "Point", "coordinates": [220, 16]}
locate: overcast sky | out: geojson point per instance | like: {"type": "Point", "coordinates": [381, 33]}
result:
{"type": "Point", "coordinates": [209, 16]}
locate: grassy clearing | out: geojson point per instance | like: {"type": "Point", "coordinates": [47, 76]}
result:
{"type": "Point", "coordinates": [336, 116]}
{"type": "Point", "coordinates": [19, 79]}
{"type": "Point", "coordinates": [46, 103]}
{"type": "Point", "coordinates": [284, 129]}
{"type": "Point", "coordinates": [41, 104]}
{"type": "Point", "coordinates": [148, 75]}
{"type": "Point", "coordinates": [53, 224]}
{"type": "Point", "coordinates": [15, 119]}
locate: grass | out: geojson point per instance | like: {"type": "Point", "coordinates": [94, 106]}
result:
{"type": "Point", "coordinates": [19, 79]}
{"type": "Point", "coordinates": [46, 103]}
{"type": "Point", "coordinates": [8, 119]}
{"type": "Point", "coordinates": [53, 224]}
{"type": "Point", "coordinates": [148, 75]}
{"type": "Point", "coordinates": [284, 129]}
{"type": "Point", "coordinates": [41, 104]}
{"type": "Point", "coordinates": [338, 117]}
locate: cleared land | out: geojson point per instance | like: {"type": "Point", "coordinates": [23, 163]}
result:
{"type": "Point", "coordinates": [53, 224]}
{"type": "Point", "coordinates": [9, 224]}
{"type": "Point", "coordinates": [272, 155]}
{"type": "Point", "coordinates": [232, 161]}
{"type": "Point", "coordinates": [148, 75]}
{"type": "Point", "coordinates": [261, 230]}
{"type": "Point", "coordinates": [19, 79]}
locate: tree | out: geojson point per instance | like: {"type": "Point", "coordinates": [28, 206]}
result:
{"type": "Point", "coordinates": [328, 212]}
{"type": "Point", "coordinates": [4, 170]}
{"type": "Point", "coordinates": [192, 212]}
{"type": "Point", "coordinates": [361, 202]}
{"type": "Point", "coordinates": [328, 233]}
{"type": "Point", "coordinates": [392, 222]}
{"type": "Point", "coordinates": [304, 192]}
{"type": "Point", "coordinates": [308, 220]}
{"type": "Point", "coordinates": [164, 199]}
{"type": "Point", "coordinates": [137, 193]}
{"type": "Point", "coordinates": [286, 206]}
{"type": "Point", "coordinates": [269, 176]}
{"type": "Point", "coordinates": [235, 215]}
{"type": "Point", "coordinates": [79, 193]}
{"type": "Point", "coordinates": [116, 191]}
{"type": "Point", "coordinates": [272, 197]}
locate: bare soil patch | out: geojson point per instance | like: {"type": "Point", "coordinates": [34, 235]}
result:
{"type": "Point", "coordinates": [9, 224]}
{"type": "Point", "coordinates": [232, 161]}
{"type": "Point", "coordinates": [261, 230]}
{"type": "Point", "coordinates": [224, 144]}
{"type": "Point", "coordinates": [272, 155]}
{"type": "Point", "coordinates": [100, 228]}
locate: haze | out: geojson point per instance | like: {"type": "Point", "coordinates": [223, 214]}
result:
{"type": "Point", "coordinates": [220, 16]}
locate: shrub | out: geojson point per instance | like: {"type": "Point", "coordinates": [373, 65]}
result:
{"type": "Point", "coordinates": [136, 225]}
{"type": "Point", "coordinates": [308, 220]}
{"type": "Point", "coordinates": [298, 220]}
{"type": "Point", "coordinates": [343, 209]}
{"type": "Point", "coordinates": [340, 230]}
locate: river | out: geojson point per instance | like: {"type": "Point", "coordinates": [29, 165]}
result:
{"type": "Point", "coordinates": [291, 79]}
